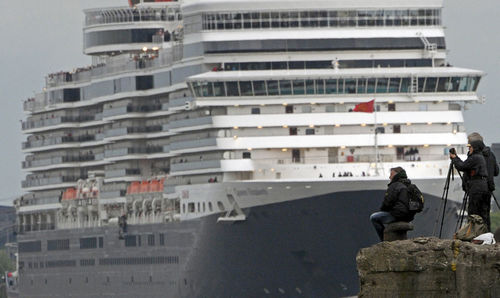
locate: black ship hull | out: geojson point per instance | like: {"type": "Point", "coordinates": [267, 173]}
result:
{"type": "Point", "coordinates": [300, 248]}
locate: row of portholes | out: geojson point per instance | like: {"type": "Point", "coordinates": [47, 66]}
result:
{"type": "Point", "coordinates": [70, 280]}
{"type": "Point", "coordinates": [200, 207]}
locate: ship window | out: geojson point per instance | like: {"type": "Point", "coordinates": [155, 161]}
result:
{"type": "Point", "coordinates": [204, 207]}
{"type": "Point", "coordinates": [331, 86]}
{"type": "Point", "coordinates": [405, 83]}
{"type": "Point", "coordinates": [320, 86]}
{"type": "Point", "coordinates": [421, 84]}
{"type": "Point", "coordinates": [207, 89]}
{"type": "Point", "coordinates": [71, 94]}
{"type": "Point", "coordinates": [310, 86]}
{"type": "Point", "coordinates": [198, 209]}
{"type": "Point", "coordinates": [143, 82]}
{"type": "Point", "coordinates": [151, 240]}
{"type": "Point", "coordinates": [219, 89]}
{"type": "Point", "coordinates": [139, 240]}
{"type": "Point", "coordinates": [86, 243]}
{"type": "Point", "coordinates": [442, 85]}
{"type": "Point", "coordinates": [361, 85]}
{"type": "Point", "coordinates": [220, 205]}
{"type": "Point", "coordinates": [255, 110]}
{"type": "Point", "coordinates": [430, 85]}
{"type": "Point", "coordinates": [455, 83]}
{"type": "Point", "coordinates": [162, 239]}
{"type": "Point", "coordinates": [130, 240]}
{"type": "Point", "coordinates": [371, 86]}
{"type": "Point", "coordinates": [30, 246]}
{"type": "Point", "coordinates": [87, 262]}
{"type": "Point", "coordinates": [259, 88]}
{"type": "Point", "coordinates": [246, 88]}
{"type": "Point", "coordinates": [285, 87]}
{"type": "Point", "coordinates": [210, 208]}
{"type": "Point", "coordinates": [309, 131]}
{"type": "Point", "coordinates": [289, 109]}
{"type": "Point", "coordinates": [191, 207]}
{"type": "Point", "coordinates": [61, 263]}
{"type": "Point", "coordinates": [298, 87]}
{"type": "Point", "coordinates": [247, 155]}
{"type": "Point", "coordinates": [350, 86]}
{"type": "Point", "coordinates": [272, 87]}
{"type": "Point", "coordinates": [394, 85]}
{"type": "Point", "coordinates": [59, 244]}
{"type": "Point", "coordinates": [463, 84]}
{"type": "Point", "coordinates": [396, 129]}
{"type": "Point", "coordinates": [391, 107]}
{"type": "Point", "coordinates": [101, 242]}
{"type": "Point", "coordinates": [296, 65]}
{"type": "Point", "coordinates": [232, 89]}
{"type": "Point", "coordinates": [382, 85]}
{"type": "Point", "coordinates": [340, 86]}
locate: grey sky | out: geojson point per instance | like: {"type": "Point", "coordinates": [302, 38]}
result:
{"type": "Point", "coordinates": [43, 36]}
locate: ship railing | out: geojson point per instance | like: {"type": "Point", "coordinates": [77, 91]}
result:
{"type": "Point", "coordinates": [363, 158]}
{"type": "Point", "coordinates": [70, 224]}
{"type": "Point", "coordinates": [163, 58]}
{"type": "Point", "coordinates": [116, 15]}
{"type": "Point", "coordinates": [146, 219]}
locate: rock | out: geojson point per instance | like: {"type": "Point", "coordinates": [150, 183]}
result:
{"type": "Point", "coordinates": [429, 267]}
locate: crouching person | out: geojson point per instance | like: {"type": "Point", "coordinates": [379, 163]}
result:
{"type": "Point", "coordinates": [396, 202]}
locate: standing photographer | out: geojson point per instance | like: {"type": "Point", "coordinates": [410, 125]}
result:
{"type": "Point", "coordinates": [475, 178]}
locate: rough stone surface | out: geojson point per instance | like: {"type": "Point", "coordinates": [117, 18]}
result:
{"type": "Point", "coordinates": [429, 267]}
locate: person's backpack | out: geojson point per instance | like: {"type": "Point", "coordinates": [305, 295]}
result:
{"type": "Point", "coordinates": [415, 198]}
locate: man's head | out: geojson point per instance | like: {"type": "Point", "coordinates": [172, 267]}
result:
{"type": "Point", "coordinates": [475, 146]}
{"type": "Point", "coordinates": [475, 136]}
{"type": "Point", "coordinates": [397, 171]}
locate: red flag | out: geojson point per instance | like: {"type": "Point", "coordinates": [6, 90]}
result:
{"type": "Point", "coordinates": [365, 107]}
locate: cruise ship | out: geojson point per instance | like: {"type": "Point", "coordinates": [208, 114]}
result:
{"type": "Point", "coordinates": [235, 148]}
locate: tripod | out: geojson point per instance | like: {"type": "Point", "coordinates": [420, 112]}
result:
{"type": "Point", "coordinates": [462, 211]}
{"type": "Point", "coordinates": [444, 197]}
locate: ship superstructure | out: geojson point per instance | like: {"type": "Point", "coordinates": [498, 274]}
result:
{"type": "Point", "coordinates": [198, 113]}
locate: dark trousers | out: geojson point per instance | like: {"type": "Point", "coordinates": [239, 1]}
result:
{"type": "Point", "coordinates": [378, 220]}
{"type": "Point", "coordinates": [480, 204]}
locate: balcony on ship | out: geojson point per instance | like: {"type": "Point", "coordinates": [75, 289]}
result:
{"type": "Point", "coordinates": [58, 120]}
{"type": "Point", "coordinates": [133, 130]}
{"type": "Point", "coordinates": [124, 110]}
{"type": "Point", "coordinates": [40, 180]}
{"type": "Point", "coordinates": [59, 160]}
{"type": "Point", "coordinates": [41, 141]}
{"type": "Point", "coordinates": [135, 150]}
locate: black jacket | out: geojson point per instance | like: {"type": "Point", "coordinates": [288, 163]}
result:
{"type": "Point", "coordinates": [492, 167]}
{"type": "Point", "coordinates": [475, 171]}
{"type": "Point", "coordinates": [396, 199]}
